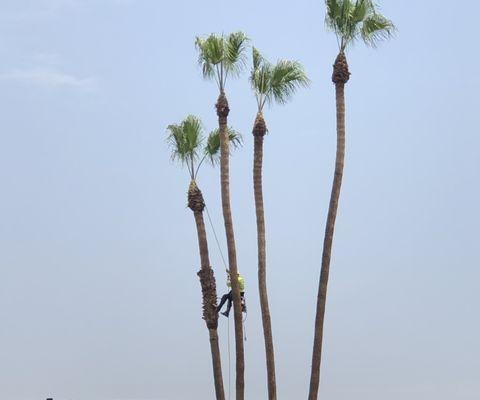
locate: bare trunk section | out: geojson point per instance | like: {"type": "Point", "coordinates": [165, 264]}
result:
{"type": "Point", "coordinates": [259, 130]}
{"type": "Point", "coordinates": [340, 77]}
{"type": "Point", "coordinates": [217, 364]}
{"type": "Point", "coordinates": [209, 290]}
{"type": "Point", "coordinates": [222, 113]}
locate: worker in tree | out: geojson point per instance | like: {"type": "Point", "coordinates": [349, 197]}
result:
{"type": "Point", "coordinates": [229, 296]}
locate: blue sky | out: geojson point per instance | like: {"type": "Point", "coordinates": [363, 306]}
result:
{"type": "Point", "coordinates": [99, 297]}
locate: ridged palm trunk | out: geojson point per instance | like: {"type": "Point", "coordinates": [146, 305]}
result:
{"type": "Point", "coordinates": [340, 77]}
{"type": "Point", "coordinates": [222, 113]}
{"type": "Point", "coordinates": [259, 131]}
{"type": "Point", "coordinates": [209, 289]}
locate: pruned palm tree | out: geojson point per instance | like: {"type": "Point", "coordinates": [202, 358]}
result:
{"type": "Point", "coordinates": [270, 83]}
{"type": "Point", "coordinates": [350, 21]}
{"type": "Point", "coordinates": [188, 147]}
{"type": "Point", "coordinates": [222, 57]}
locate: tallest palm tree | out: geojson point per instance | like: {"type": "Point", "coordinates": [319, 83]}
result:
{"type": "Point", "coordinates": [349, 20]}
{"type": "Point", "coordinates": [221, 57]}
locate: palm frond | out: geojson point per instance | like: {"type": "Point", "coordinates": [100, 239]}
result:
{"type": "Point", "coordinates": [234, 53]}
{"type": "Point", "coordinates": [351, 20]}
{"type": "Point", "coordinates": [177, 143]}
{"type": "Point", "coordinates": [210, 54]}
{"type": "Point", "coordinates": [260, 80]}
{"type": "Point", "coordinates": [361, 10]}
{"type": "Point", "coordinates": [376, 28]}
{"type": "Point", "coordinates": [212, 148]}
{"type": "Point", "coordinates": [260, 77]}
{"type": "Point", "coordinates": [275, 82]}
{"type": "Point", "coordinates": [256, 57]}
{"type": "Point", "coordinates": [192, 128]}
{"type": "Point", "coordinates": [185, 140]}
{"type": "Point", "coordinates": [220, 56]}
{"type": "Point", "coordinates": [333, 10]}
{"type": "Point", "coordinates": [207, 67]}
{"type": "Point", "coordinates": [286, 77]}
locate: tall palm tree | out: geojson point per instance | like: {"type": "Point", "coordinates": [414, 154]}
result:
{"type": "Point", "coordinates": [349, 20]}
{"type": "Point", "coordinates": [221, 57]}
{"type": "Point", "coordinates": [186, 141]}
{"type": "Point", "coordinates": [270, 83]}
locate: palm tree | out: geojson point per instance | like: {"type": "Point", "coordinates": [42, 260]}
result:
{"type": "Point", "coordinates": [270, 83]}
{"type": "Point", "coordinates": [220, 57]}
{"type": "Point", "coordinates": [186, 141]}
{"type": "Point", "coordinates": [349, 20]}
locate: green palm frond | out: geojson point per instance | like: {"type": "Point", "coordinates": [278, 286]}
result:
{"type": "Point", "coordinates": [357, 19]}
{"type": "Point", "coordinates": [260, 78]}
{"type": "Point", "coordinates": [203, 61]}
{"type": "Point", "coordinates": [234, 53]}
{"type": "Point", "coordinates": [287, 77]}
{"type": "Point", "coordinates": [257, 58]}
{"type": "Point", "coordinates": [275, 82]}
{"type": "Point", "coordinates": [210, 55]}
{"type": "Point", "coordinates": [376, 28]}
{"type": "Point", "coordinates": [339, 18]}
{"type": "Point", "coordinates": [192, 128]}
{"type": "Point", "coordinates": [185, 140]}
{"type": "Point", "coordinates": [333, 10]}
{"type": "Point", "coordinates": [361, 10]}
{"type": "Point", "coordinates": [212, 148]}
{"type": "Point", "coordinates": [220, 56]}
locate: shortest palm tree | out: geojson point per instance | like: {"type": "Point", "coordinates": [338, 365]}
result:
{"type": "Point", "coordinates": [270, 83]}
{"type": "Point", "coordinates": [222, 57]}
{"type": "Point", "coordinates": [188, 147]}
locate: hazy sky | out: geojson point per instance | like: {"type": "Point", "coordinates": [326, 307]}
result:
{"type": "Point", "coordinates": [99, 297]}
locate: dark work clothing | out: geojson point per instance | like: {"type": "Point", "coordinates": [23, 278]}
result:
{"type": "Point", "coordinates": [228, 297]}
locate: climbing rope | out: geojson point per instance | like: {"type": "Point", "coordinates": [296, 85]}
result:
{"type": "Point", "coordinates": [216, 238]}
{"type": "Point", "coordinates": [228, 323]}
{"type": "Point", "coordinates": [244, 326]}
{"type": "Point", "coordinates": [228, 345]}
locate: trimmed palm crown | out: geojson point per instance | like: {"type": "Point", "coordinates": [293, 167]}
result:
{"type": "Point", "coordinates": [190, 148]}
{"type": "Point", "coordinates": [351, 20]}
{"type": "Point", "coordinates": [221, 56]}
{"type": "Point", "coordinates": [275, 82]}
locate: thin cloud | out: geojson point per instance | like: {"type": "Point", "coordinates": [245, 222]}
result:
{"type": "Point", "coordinates": [48, 78]}
{"type": "Point", "coordinates": [122, 2]}
{"type": "Point", "coordinates": [26, 12]}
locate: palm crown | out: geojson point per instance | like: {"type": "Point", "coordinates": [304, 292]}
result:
{"type": "Point", "coordinates": [275, 82]}
{"type": "Point", "coordinates": [189, 146]}
{"type": "Point", "coordinates": [351, 20]}
{"type": "Point", "coordinates": [221, 56]}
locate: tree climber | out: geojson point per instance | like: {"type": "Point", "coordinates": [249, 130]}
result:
{"type": "Point", "coordinates": [229, 295]}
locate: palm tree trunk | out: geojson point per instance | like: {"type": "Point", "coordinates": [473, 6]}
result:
{"type": "Point", "coordinates": [259, 130]}
{"type": "Point", "coordinates": [340, 77]}
{"type": "Point", "coordinates": [209, 290]}
{"type": "Point", "coordinates": [222, 113]}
